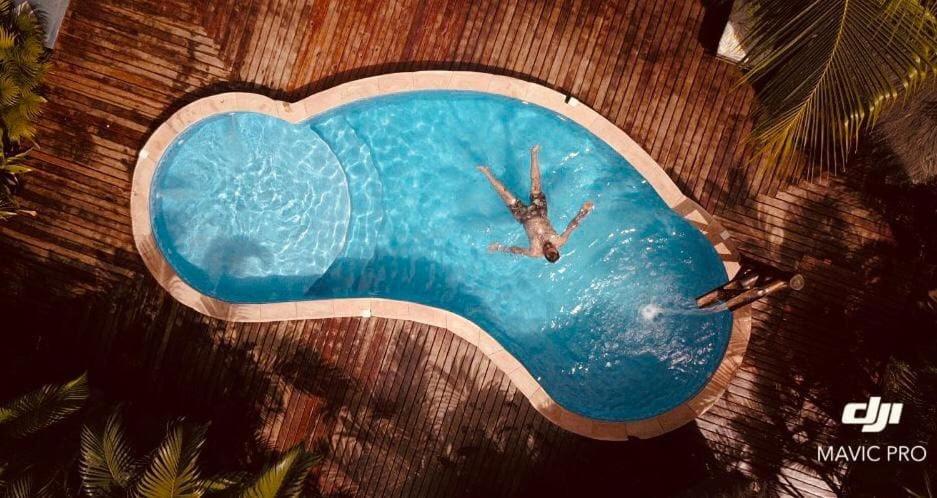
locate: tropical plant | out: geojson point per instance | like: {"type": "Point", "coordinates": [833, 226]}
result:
{"type": "Point", "coordinates": [24, 62]}
{"type": "Point", "coordinates": [10, 168]}
{"type": "Point", "coordinates": [33, 454]}
{"type": "Point", "coordinates": [42, 408]}
{"type": "Point", "coordinates": [825, 71]}
{"type": "Point", "coordinates": [109, 467]}
{"type": "Point", "coordinates": [104, 462]}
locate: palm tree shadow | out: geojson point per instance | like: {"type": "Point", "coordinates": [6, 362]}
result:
{"type": "Point", "coordinates": [156, 359]}
{"type": "Point", "coordinates": [439, 419]}
{"type": "Point", "coordinates": [813, 351]}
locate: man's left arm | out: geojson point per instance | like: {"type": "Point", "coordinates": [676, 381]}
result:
{"type": "Point", "coordinates": [574, 223]}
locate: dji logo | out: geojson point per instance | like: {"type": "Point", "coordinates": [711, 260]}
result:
{"type": "Point", "coordinates": [877, 414]}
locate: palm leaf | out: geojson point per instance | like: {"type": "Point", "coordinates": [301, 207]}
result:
{"type": "Point", "coordinates": [285, 478]}
{"type": "Point", "coordinates": [27, 53]}
{"type": "Point", "coordinates": [173, 468]}
{"type": "Point", "coordinates": [14, 169]}
{"type": "Point", "coordinates": [9, 90]}
{"type": "Point", "coordinates": [22, 487]}
{"type": "Point", "coordinates": [33, 484]}
{"type": "Point", "coordinates": [30, 105]}
{"type": "Point", "coordinates": [15, 164]}
{"type": "Point", "coordinates": [19, 128]}
{"type": "Point", "coordinates": [42, 408]}
{"type": "Point", "coordinates": [7, 209]}
{"type": "Point", "coordinates": [825, 70]}
{"type": "Point", "coordinates": [17, 158]}
{"type": "Point", "coordinates": [7, 40]}
{"type": "Point", "coordinates": [28, 20]}
{"type": "Point", "coordinates": [107, 464]}
{"type": "Point", "coordinates": [222, 484]}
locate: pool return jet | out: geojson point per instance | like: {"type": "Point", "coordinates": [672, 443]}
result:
{"type": "Point", "coordinates": [755, 281]}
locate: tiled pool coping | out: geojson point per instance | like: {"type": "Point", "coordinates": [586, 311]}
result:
{"type": "Point", "coordinates": [323, 101]}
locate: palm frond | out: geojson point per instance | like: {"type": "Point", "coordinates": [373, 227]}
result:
{"type": "Point", "coordinates": [825, 71]}
{"type": "Point", "coordinates": [19, 128]}
{"type": "Point", "coordinates": [28, 20]}
{"type": "Point", "coordinates": [9, 90]}
{"type": "Point", "coordinates": [173, 468]}
{"type": "Point", "coordinates": [15, 169]}
{"type": "Point", "coordinates": [22, 487]}
{"type": "Point", "coordinates": [223, 484]}
{"type": "Point", "coordinates": [27, 53]}
{"type": "Point", "coordinates": [15, 164]}
{"type": "Point", "coordinates": [285, 478]}
{"type": "Point", "coordinates": [107, 464]}
{"type": "Point", "coordinates": [24, 62]}
{"type": "Point", "coordinates": [34, 411]}
{"type": "Point", "coordinates": [8, 209]}
{"type": "Point", "coordinates": [30, 105]}
{"type": "Point", "coordinates": [7, 40]}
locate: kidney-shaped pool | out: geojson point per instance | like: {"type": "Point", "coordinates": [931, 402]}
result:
{"type": "Point", "coordinates": [381, 198]}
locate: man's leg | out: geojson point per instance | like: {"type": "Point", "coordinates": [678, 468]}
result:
{"type": "Point", "coordinates": [538, 201]}
{"type": "Point", "coordinates": [505, 194]}
{"type": "Point", "coordinates": [535, 188]}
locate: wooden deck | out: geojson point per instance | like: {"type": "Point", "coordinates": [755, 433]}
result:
{"type": "Point", "coordinates": [406, 409]}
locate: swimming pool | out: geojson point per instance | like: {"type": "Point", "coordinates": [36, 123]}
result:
{"type": "Point", "coordinates": [380, 198]}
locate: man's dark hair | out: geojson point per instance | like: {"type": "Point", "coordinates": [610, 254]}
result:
{"type": "Point", "coordinates": [550, 252]}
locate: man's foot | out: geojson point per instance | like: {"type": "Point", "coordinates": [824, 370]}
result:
{"type": "Point", "coordinates": [484, 169]}
{"type": "Point", "coordinates": [535, 149]}
{"type": "Point", "coordinates": [588, 205]}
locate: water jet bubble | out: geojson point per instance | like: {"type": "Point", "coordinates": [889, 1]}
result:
{"type": "Point", "coordinates": [650, 311]}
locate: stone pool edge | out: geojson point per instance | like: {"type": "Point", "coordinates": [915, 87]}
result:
{"type": "Point", "coordinates": [534, 93]}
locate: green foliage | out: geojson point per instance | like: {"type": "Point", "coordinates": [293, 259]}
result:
{"type": "Point", "coordinates": [105, 462]}
{"type": "Point", "coordinates": [10, 168]}
{"type": "Point", "coordinates": [173, 469]}
{"type": "Point", "coordinates": [30, 448]}
{"type": "Point", "coordinates": [107, 465]}
{"type": "Point", "coordinates": [285, 478]}
{"type": "Point", "coordinates": [24, 62]}
{"type": "Point", "coordinates": [34, 411]}
{"type": "Point", "coordinates": [825, 72]}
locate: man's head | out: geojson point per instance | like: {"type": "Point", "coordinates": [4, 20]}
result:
{"type": "Point", "coordinates": [550, 252]}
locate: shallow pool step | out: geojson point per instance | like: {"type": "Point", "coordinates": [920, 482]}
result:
{"type": "Point", "coordinates": [364, 185]}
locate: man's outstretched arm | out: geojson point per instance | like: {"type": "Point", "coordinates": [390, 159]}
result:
{"type": "Point", "coordinates": [574, 223]}
{"type": "Point", "coordinates": [520, 251]}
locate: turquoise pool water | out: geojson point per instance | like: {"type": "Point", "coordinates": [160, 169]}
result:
{"type": "Point", "coordinates": [381, 198]}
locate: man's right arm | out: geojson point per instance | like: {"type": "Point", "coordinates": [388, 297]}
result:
{"type": "Point", "coordinates": [520, 251]}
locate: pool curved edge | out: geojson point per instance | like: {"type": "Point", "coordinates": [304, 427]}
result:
{"type": "Point", "coordinates": [151, 153]}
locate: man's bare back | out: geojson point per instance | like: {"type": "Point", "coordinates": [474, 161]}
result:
{"type": "Point", "coordinates": [544, 241]}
